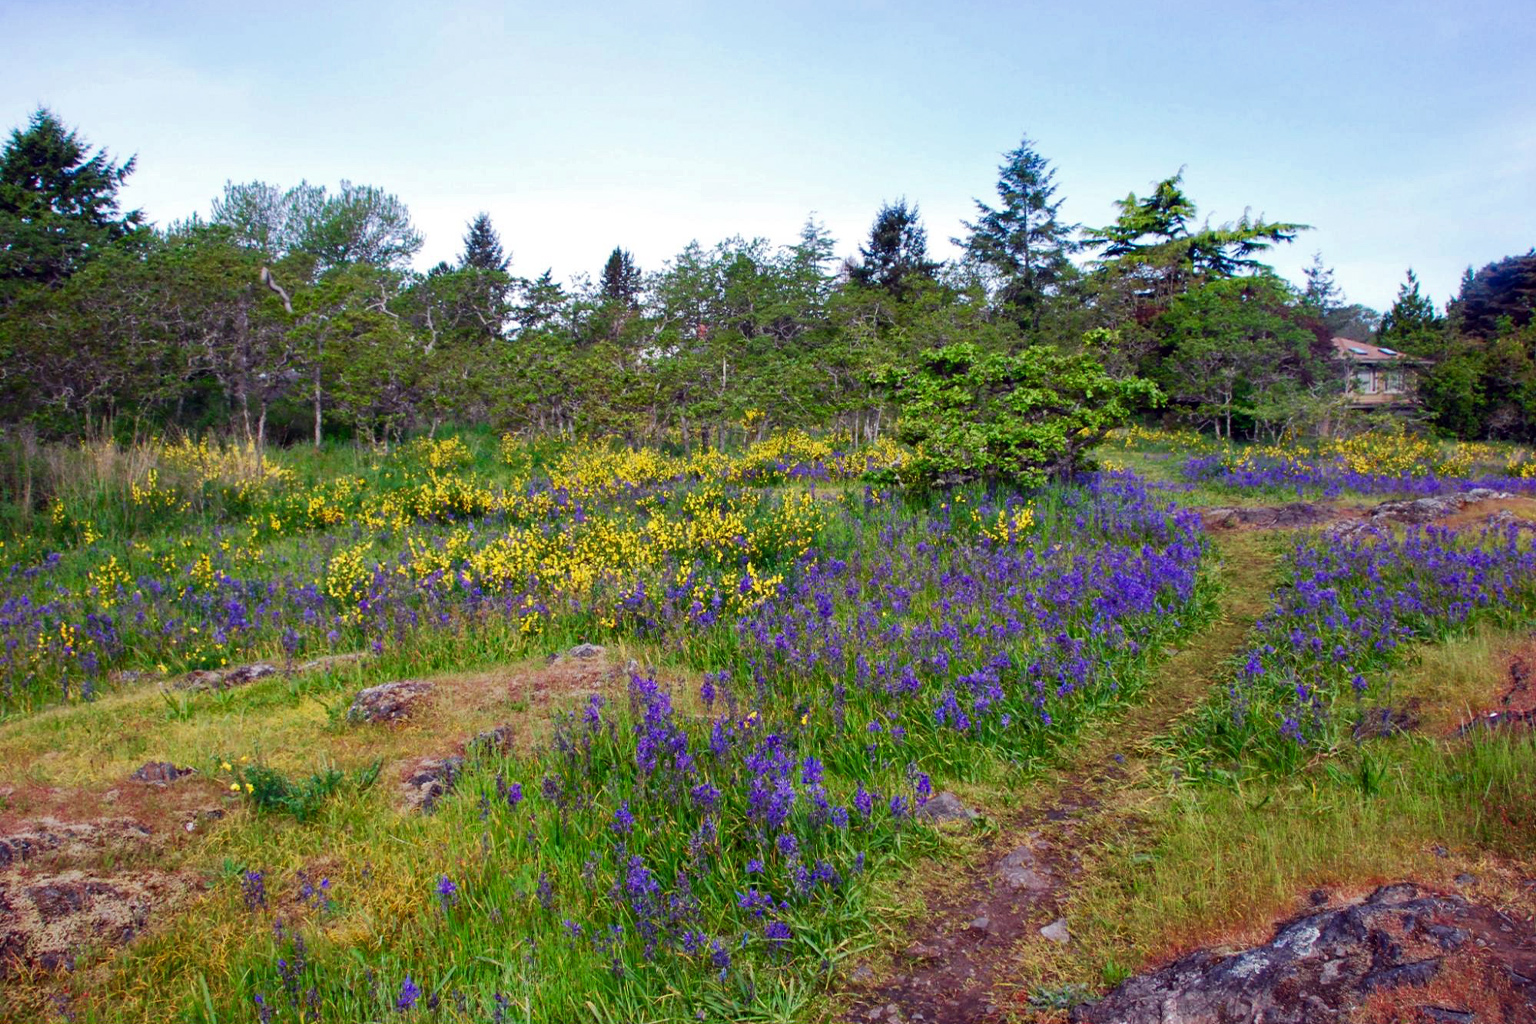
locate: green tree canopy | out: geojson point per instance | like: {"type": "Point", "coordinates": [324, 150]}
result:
{"type": "Point", "coordinates": [58, 204]}
{"type": "Point", "coordinates": [1156, 240]}
{"type": "Point", "coordinates": [896, 255]}
{"type": "Point", "coordinates": [1412, 324]}
{"type": "Point", "coordinates": [1024, 417]}
{"type": "Point", "coordinates": [482, 247]}
{"type": "Point", "coordinates": [1022, 243]}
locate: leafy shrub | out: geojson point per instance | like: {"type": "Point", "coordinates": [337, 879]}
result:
{"type": "Point", "coordinates": [1024, 417]}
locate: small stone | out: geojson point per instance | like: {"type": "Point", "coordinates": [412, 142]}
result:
{"type": "Point", "coordinates": [944, 807]}
{"type": "Point", "coordinates": [1020, 869]}
{"type": "Point", "coordinates": [1465, 879]}
{"type": "Point", "coordinates": [158, 773]}
{"type": "Point", "coordinates": [918, 951]}
{"type": "Point", "coordinates": [1318, 897]}
{"type": "Point", "coordinates": [431, 780]}
{"type": "Point", "coordinates": [1057, 932]}
{"type": "Point", "coordinates": [982, 924]}
{"type": "Point", "coordinates": [1440, 851]}
{"type": "Point", "coordinates": [861, 975]}
{"type": "Point", "coordinates": [492, 741]}
{"type": "Point", "coordinates": [585, 651]}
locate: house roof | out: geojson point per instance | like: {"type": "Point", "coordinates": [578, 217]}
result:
{"type": "Point", "coordinates": [1365, 352]}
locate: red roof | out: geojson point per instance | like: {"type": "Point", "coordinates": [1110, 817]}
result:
{"type": "Point", "coordinates": [1364, 351]}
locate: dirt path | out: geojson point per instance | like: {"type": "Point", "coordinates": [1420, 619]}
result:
{"type": "Point", "coordinates": [961, 965]}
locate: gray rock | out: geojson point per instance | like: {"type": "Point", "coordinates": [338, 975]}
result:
{"type": "Point", "coordinates": [499, 740]}
{"type": "Point", "coordinates": [1317, 968]}
{"type": "Point", "coordinates": [944, 807]}
{"type": "Point", "coordinates": [982, 924]}
{"type": "Point", "coordinates": [225, 678]}
{"type": "Point", "coordinates": [1057, 932]}
{"type": "Point", "coordinates": [1465, 879]}
{"type": "Point", "coordinates": [158, 773]}
{"type": "Point", "coordinates": [585, 651]}
{"type": "Point", "coordinates": [1020, 869]}
{"type": "Point", "coordinates": [861, 975]}
{"type": "Point", "coordinates": [432, 779]}
{"type": "Point", "coordinates": [387, 702]}
{"type": "Point", "coordinates": [1297, 513]}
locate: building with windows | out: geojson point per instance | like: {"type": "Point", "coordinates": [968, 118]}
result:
{"type": "Point", "coordinates": [1379, 378]}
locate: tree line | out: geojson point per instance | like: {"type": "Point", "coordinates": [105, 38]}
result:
{"type": "Point", "coordinates": [292, 313]}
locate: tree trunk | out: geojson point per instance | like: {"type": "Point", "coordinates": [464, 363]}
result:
{"type": "Point", "coordinates": [317, 402]}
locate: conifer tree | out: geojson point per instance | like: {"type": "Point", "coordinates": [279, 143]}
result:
{"type": "Point", "coordinates": [1023, 242]}
{"type": "Point", "coordinates": [621, 278]}
{"type": "Point", "coordinates": [58, 204]}
{"type": "Point", "coordinates": [482, 246]}
{"type": "Point", "coordinates": [896, 254]}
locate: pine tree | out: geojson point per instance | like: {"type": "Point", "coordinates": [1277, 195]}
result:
{"type": "Point", "coordinates": [1023, 242]}
{"type": "Point", "coordinates": [1154, 240]}
{"type": "Point", "coordinates": [482, 246]}
{"type": "Point", "coordinates": [621, 278]}
{"type": "Point", "coordinates": [543, 299]}
{"type": "Point", "coordinates": [1412, 324]}
{"type": "Point", "coordinates": [58, 204]}
{"type": "Point", "coordinates": [1321, 295]}
{"type": "Point", "coordinates": [897, 252]}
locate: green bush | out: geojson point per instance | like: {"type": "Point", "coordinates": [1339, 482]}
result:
{"type": "Point", "coordinates": [1022, 417]}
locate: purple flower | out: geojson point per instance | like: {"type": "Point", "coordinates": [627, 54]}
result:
{"type": "Point", "coordinates": [409, 993]}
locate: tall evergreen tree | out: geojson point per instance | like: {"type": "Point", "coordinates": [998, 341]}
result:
{"type": "Point", "coordinates": [1023, 242]}
{"type": "Point", "coordinates": [1412, 324]}
{"type": "Point", "coordinates": [482, 246]}
{"type": "Point", "coordinates": [896, 254]}
{"type": "Point", "coordinates": [621, 278]}
{"type": "Point", "coordinates": [58, 204]}
{"type": "Point", "coordinates": [1155, 240]}
{"type": "Point", "coordinates": [1321, 295]}
{"type": "Point", "coordinates": [1506, 288]}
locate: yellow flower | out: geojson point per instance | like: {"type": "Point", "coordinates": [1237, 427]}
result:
{"type": "Point", "coordinates": [227, 766]}
{"type": "Point", "coordinates": [250, 788]}
{"type": "Point", "coordinates": [234, 787]}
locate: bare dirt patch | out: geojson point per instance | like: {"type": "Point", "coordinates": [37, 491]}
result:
{"type": "Point", "coordinates": [1010, 893]}
{"type": "Point", "coordinates": [1295, 515]}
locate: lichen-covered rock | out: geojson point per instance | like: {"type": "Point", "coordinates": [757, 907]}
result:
{"type": "Point", "coordinates": [73, 840]}
{"type": "Point", "coordinates": [46, 919]}
{"type": "Point", "coordinates": [387, 702]}
{"type": "Point", "coordinates": [429, 780]}
{"type": "Point", "coordinates": [224, 678]}
{"type": "Point", "coordinates": [492, 741]}
{"type": "Point", "coordinates": [1319, 966]}
{"type": "Point", "coordinates": [1264, 517]}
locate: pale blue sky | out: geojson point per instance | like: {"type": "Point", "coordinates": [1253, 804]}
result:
{"type": "Point", "coordinates": [1406, 133]}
